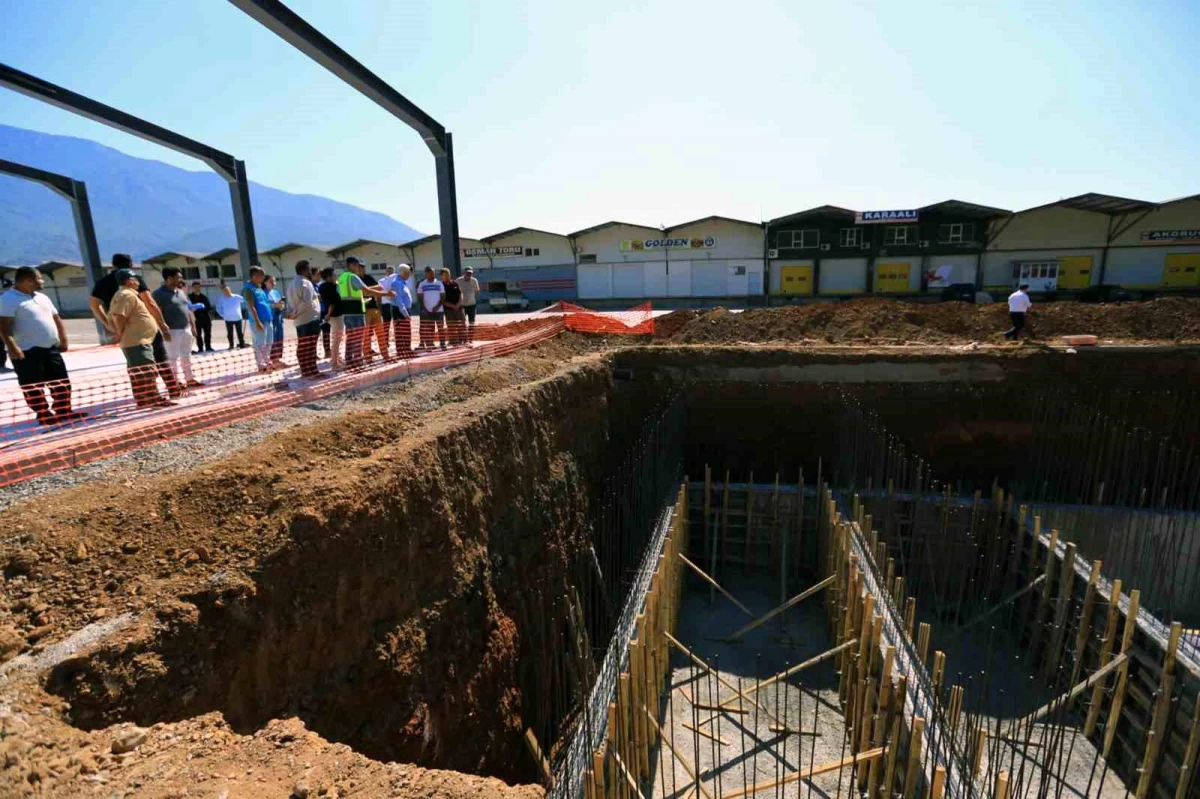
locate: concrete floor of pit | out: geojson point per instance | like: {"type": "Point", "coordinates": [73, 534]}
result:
{"type": "Point", "coordinates": [751, 751]}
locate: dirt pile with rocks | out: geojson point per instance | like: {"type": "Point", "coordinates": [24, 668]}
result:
{"type": "Point", "coordinates": [882, 321]}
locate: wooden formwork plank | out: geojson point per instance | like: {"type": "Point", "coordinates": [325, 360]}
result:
{"type": "Point", "coordinates": [1114, 713]}
{"type": "Point", "coordinates": [1106, 647]}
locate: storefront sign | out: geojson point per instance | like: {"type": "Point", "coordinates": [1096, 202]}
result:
{"type": "Point", "coordinates": [881, 217]}
{"type": "Point", "coordinates": [1170, 236]}
{"type": "Point", "coordinates": [641, 245]}
{"type": "Point", "coordinates": [493, 252]}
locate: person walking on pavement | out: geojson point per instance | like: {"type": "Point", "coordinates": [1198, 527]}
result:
{"type": "Point", "coordinates": [352, 294]}
{"type": "Point", "coordinates": [135, 329]}
{"type": "Point", "coordinates": [176, 311]}
{"type": "Point", "coordinates": [262, 327]}
{"type": "Point", "coordinates": [229, 308]}
{"type": "Point", "coordinates": [106, 289]}
{"type": "Point", "coordinates": [470, 293]}
{"type": "Point", "coordinates": [430, 292]}
{"type": "Point", "coordinates": [35, 337]}
{"type": "Point", "coordinates": [1018, 306]}
{"type": "Point", "coordinates": [304, 308]}
{"type": "Point", "coordinates": [202, 311]}
{"type": "Point", "coordinates": [275, 297]}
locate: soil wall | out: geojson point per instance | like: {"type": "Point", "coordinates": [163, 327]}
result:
{"type": "Point", "coordinates": [390, 615]}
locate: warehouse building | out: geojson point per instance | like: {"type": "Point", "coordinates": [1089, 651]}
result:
{"type": "Point", "coordinates": [1092, 239]}
{"type": "Point", "coordinates": [281, 261]}
{"type": "Point", "coordinates": [713, 257]}
{"type": "Point", "coordinates": [834, 251]}
{"type": "Point", "coordinates": [524, 268]}
{"type": "Point", "coordinates": [376, 255]}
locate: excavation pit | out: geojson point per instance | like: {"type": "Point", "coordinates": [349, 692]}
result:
{"type": "Point", "coordinates": [451, 596]}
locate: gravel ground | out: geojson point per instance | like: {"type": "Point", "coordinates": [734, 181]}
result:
{"type": "Point", "coordinates": [415, 396]}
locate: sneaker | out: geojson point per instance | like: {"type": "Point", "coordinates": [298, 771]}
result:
{"type": "Point", "coordinates": [47, 419]}
{"type": "Point", "coordinates": [162, 402]}
{"type": "Point", "coordinates": [194, 384]}
{"type": "Point", "coordinates": [70, 416]}
{"type": "Point", "coordinates": [209, 349]}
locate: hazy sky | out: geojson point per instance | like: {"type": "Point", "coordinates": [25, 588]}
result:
{"type": "Point", "coordinates": [566, 114]}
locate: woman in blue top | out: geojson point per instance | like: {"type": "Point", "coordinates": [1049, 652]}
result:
{"type": "Point", "coordinates": [261, 318]}
{"type": "Point", "coordinates": [277, 304]}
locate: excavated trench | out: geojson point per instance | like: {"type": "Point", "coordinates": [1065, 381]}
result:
{"type": "Point", "coordinates": [414, 612]}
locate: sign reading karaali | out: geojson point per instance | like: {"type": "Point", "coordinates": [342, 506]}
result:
{"type": "Point", "coordinates": [1164, 236]}
{"type": "Point", "coordinates": [881, 217]}
{"type": "Point", "coordinates": [493, 252]}
{"type": "Point", "coordinates": [640, 245]}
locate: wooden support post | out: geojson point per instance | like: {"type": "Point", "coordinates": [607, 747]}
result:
{"type": "Point", "coordinates": [913, 770]}
{"type": "Point", "coordinates": [939, 783]}
{"type": "Point", "coordinates": [1188, 764]}
{"type": "Point", "coordinates": [748, 556]}
{"type": "Point", "coordinates": [1085, 621]}
{"type": "Point", "coordinates": [881, 718]}
{"type": "Point", "coordinates": [923, 642]}
{"type": "Point", "coordinates": [1056, 704]}
{"type": "Point", "coordinates": [628, 712]}
{"type": "Point", "coordinates": [598, 772]}
{"type": "Point", "coordinates": [531, 742]}
{"type": "Point", "coordinates": [889, 774]}
{"type": "Point", "coordinates": [614, 747]}
{"type": "Point", "coordinates": [1065, 593]}
{"type": "Point", "coordinates": [708, 531]}
{"type": "Point", "coordinates": [939, 671]}
{"type": "Point", "coordinates": [637, 682]}
{"type": "Point", "coordinates": [910, 616]}
{"type": "Point", "coordinates": [1001, 791]}
{"type": "Point", "coordinates": [1043, 606]}
{"type": "Point", "coordinates": [1114, 713]}
{"type": "Point", "coordinates": [981, 738]}
{"type": "Point", "coordinates": [724, 525]}
{"type": "Point", "coordinates": [1155, 735]}
{"type": "Point", "coordinates": [1106, 646]}
{"type": "Point", "coordinates": [866, 636]}
{"type": "Point", "coordinates": [1162, 710]}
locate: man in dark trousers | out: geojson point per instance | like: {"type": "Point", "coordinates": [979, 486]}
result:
{"type": "Point", "coordinates": [35, 338]}
{"type": "Point", "coordinates": [1018, 306]}
{"type": "Point", "coordinates": [102, 296]}
{"type": "Point", "coordinates": [201, 309]}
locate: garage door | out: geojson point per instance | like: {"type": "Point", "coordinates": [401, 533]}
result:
{"type": "Point", "coordinates": [679, 279]}
{"type": "Point", "coordinates": [595, 281]}
{"type": "Point", "coordinates": [796, 280]}
{"type": "Point", "coordinates": [655, 278]}
{"type": "Point", "coordinates": [627, 281]}
{"type": "Point", "coordinates": [1182, 270]}
{"type": "Point", "coordinates": [891, 278]}
{"type": "Point", "coordinates": [1074, 271]}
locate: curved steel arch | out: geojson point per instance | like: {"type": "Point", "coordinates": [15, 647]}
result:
{"type": "Point", "coordinates": [224, 164]}
{"type": "Point", "coordinates": [290, 27]}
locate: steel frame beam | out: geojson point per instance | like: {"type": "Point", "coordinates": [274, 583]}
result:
{"type": "Point", "coordinates": [224, 164]}
{"type": "Point", "coordinates": [75, 192]}
{"type": "Point", "coordinates": [289, 26]}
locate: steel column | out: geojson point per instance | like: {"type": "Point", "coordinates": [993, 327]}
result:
{"type": "Point", "coordinates": [448, 207]}
{"type": "Point", "coordinates": [224, 164]}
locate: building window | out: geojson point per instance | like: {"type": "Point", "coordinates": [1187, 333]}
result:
{"type": "Point", "coordinates": [1038, 270]}
{"type": "Point", "coordinates": [191, 273]}
{"type": "Point", "coordinates": [851, 237]}
{"type": "Point", "coordinates": [900, 234]}
{"type": "Point", "coordinates": [587, 258]}
{"type": "Point", "coordinates": [531, 252]}
{"type": "Point", "coordinates": [798, 239]}
{"type": "Point", "coordinates": [957, 233]}
{"type": "Point", "coordinates": [378, 267]}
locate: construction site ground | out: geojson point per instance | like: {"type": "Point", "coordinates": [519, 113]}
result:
{"type": "Point", "coordinates": [111, 550]}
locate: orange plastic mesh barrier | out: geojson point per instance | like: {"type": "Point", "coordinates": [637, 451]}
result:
{"type": "Point", "coordinates": [234, 389]}
{"type": "Point", "coordinates": [637, 321]}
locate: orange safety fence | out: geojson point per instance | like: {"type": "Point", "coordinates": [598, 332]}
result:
{"type": "Point", "coordinates": [233, 389]}
{"type": "Point", "coordinates": [637, 321]}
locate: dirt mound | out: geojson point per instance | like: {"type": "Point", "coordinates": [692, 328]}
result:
{"type": "Point", "coordinates": [883, 321]}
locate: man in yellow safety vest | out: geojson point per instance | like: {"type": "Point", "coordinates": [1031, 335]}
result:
{"type": "Point", "coordinates": [351, 292]}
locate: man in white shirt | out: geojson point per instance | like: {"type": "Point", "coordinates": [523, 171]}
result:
{"type": "Point", "coordinates": [304, 308]}
{"type": "Point", "coordinates": [470, 291]}
{"type": "Point", "coordinates": [430, 293]}
{"type": "Point", "coordinates": [229, 308]}
{"type": "Point", "coordinates": [1018, 305]}
{"type": "Point", "coordinates": [35, 339]}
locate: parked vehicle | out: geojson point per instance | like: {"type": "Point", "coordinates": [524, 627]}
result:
{"type": "Point", "coordinates": [506, 296]}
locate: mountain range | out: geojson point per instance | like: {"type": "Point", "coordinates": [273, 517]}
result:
{"type": "Point", "coordinates": [145, 207]}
